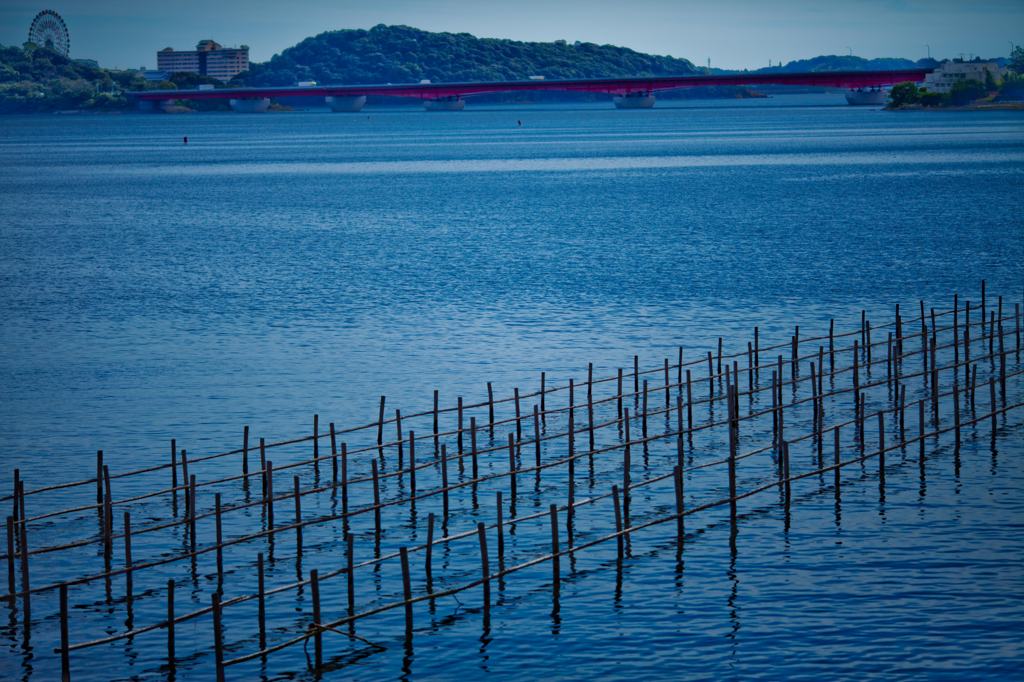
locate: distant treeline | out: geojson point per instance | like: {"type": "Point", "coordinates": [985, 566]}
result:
{"type": "Point", "coordinates": [35, 79]}
{"type": "Point", "coordinates": [836, 62]}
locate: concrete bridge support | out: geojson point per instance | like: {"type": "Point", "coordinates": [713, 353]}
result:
{"type": "Point", "coordinates": [342, 104]}
{"type": "Point", "coordinates": [634, 100]}
{"type": "Point", "coordinates": [255, 105]}
{"type": "Point", "coordinates": [445, 104]}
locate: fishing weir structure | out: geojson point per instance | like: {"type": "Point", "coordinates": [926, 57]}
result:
{"type": "Point", "coordinates": [341, 538]}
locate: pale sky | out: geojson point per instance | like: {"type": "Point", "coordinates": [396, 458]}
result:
{"type": "Point", "coordinates": [733, 33]}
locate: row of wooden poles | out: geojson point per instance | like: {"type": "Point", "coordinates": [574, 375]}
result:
{"type": "Point", "coordinates": [108, 535]}
{"type": "Point", "coordinates": [17, 533]}
{"type": "Point", "coordinates": [106, 502]}
{"type": "Point", "coordinates": [269, 497]}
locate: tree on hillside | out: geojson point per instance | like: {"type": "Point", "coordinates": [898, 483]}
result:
{"type": "Point", "coordinates": [1017, 60]}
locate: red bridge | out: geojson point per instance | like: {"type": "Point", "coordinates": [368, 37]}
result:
{"type": "Point", "coordinates": [628, 92]}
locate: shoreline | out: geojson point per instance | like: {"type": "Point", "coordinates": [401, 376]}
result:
{"type": "Point", "coordinates": [990, 106]}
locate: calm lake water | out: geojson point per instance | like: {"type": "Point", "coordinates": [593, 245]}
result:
{"type": "Point", "coordinates": [282, 265]}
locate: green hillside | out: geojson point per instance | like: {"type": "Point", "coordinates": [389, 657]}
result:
{"type": "Point", "coordinates": [835, 62]}
{"type": "Point", "coordinates": [401, 54]}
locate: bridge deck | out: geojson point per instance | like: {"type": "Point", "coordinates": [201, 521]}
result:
{"type": "Point", "coordinates": [616, 86]}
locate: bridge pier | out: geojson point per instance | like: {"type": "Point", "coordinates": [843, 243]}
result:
{"type": "Point", "coordinates": [445, 104]}
{"type": "Point", "coordinates": [254, 105]}
{"type": "Point", "coordinates": [342, 104]}
{"type": "Point", "coordinates": [634, 100]}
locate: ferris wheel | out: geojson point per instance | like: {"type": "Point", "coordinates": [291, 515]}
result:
{"type": "Point", "coordinates": [49, 30]}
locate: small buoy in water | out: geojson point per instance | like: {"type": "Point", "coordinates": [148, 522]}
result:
{"type": "Point", "coordinates": [185, 140]}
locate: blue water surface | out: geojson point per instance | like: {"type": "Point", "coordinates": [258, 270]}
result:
{"type": "Point", "coordinates": [281, 265]}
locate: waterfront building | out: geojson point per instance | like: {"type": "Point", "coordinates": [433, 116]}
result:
{"type": "Point", "coordinates": [949, 73]}
{"type": "Point", "coordinates": [209, 58]}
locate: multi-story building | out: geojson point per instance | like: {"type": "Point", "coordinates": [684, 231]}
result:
{"type": "Point", "coordinates": [949, 73]}
{"type": "Point", "coordinates": [208, 59]}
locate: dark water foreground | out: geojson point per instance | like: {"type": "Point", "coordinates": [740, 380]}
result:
{"type": "Point", "coordinates": [319, 261]}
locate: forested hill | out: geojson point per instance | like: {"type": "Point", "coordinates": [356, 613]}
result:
{"type": "Point", "coordinates": [401, 54]}
{"type": "Point", "coordinates": [835, 62]}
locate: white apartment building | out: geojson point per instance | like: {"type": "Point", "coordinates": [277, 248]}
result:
{"type": "Point", "coordinates": [949, 73]}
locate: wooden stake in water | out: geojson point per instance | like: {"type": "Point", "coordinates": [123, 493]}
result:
{"type": "Point", "coordinates": [65, 655]}
{"type": "Point", "coordinates": [380, 422]}
{"type": "Point", "coordinates": [174, 476]}
{"type": "Point", "coordinates": [835, 433]}
{"type": "Point", "coordinates": [590, 407]}
{"type": "Point", "coordinates": [636, 376]}
{"type": "Point", "coordinates": [472, 446]}
{"type": "Point", "coordinates": [170, 620]}
{"type": "Point", "coordinates": [689, 406]}
{"type": "Point", "coordinates": [429, 554]}
{"type": "Point", "coordinates": [316, 437]}
{"type": "Point", "coordinates": [444, 481]}
{"type": "Point", "coordinates": [555, 572]}
{"type": "Point", "coordinates": [192, 512]}
{"type": "Point", "coordinates": [334, 455]}
{"type": "Point", "coordinates": [500, 526]}
{"type": "Point", "coordinates": [512, 474]}
{"type": "Point", "coordinates": [619, 393]}
{"type": "Point", "coordinates": [318, 645]}
{"type": "Point", "coordinates": [344, 479]}
{"type": "Point", "coordinates": [626, 471]}
{"type": "Point", "coordinates": [881, 451]}
{"type": "Point", "coordinates": [677, 476]}
{"type": "Point", "coordinates": [11, 591]}
{"type": "Point", "coordinates": [459, 438]}
{"type": "Point", "coordinates": [99, 477]}
{"type": "Point", "coordinates": [376, 498]}
{"type": "Point", "coordinates": [412, 469]}
{"type": "Point", "coordinates": [263, 467]}
{"type": "Point", "coordinates": [668, 385]}
{"type": "Point", "coordinates": [543, 396]}
{"type": "Point", "coordinates": [270, 495]}
{"type": "Point", "coordinates": [618, 522]}
{"type": "Point", "coordinates": [350, 579]}
{"type": "Point", "coordinates": [399, 439]}
{"type": "Point", "coordinates": [733, 434]}
{"type": "Point", "coordinates": [956, 412]}
{"type": "Point", "coordinates": [490, 406]}
{"type": "Point", "coordinates": [218, 636]}
{"type": "Point", "coordinates": [185, 478]}
{"type": "Point", "coordinates": [128, 591]}
{"type": "Point", "coordinates": [519, 416]}
{"type": "Point", "coordinates": [711, 377]}
{"type": "Point", "coordinates": [298, 516]}
{"type": "Point", "coordinates": [406, 590]}
{"type": "Point", "coordinates": [485, 572]}
{"type": "Point", "coordinates": [536, 441]}
{"type": "Point", "coordinates": [920, 431]}
{"type": "Point", "coordinates": [437, 442]}
{"type": "Point", "coordinates": [261, 600]}
{"type": "Point", "coordinates": [643, 423]}
{"type": "Point", "coordinates": [245, 454]}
